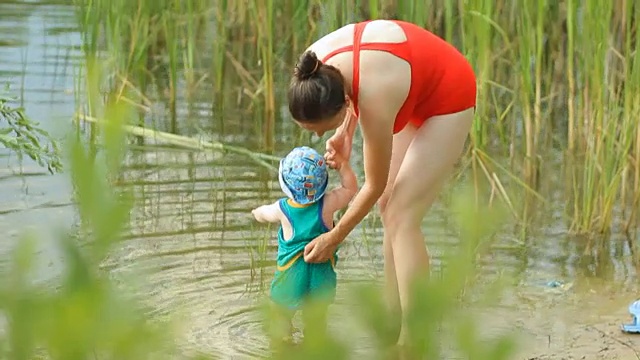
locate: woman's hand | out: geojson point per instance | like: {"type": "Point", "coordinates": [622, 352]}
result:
{"type": "Point", "coordinates": [339, 145]}
{"type": "Point", "coordinates": [338, 149]}
{"type": "Point", "coordinates": [322, 248]}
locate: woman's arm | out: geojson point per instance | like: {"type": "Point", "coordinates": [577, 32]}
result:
{"type": "Point", "coordinates": [377, 132]}
{"type": "Point", "coordinates": [350, 123]}
{"type": "Point", "coordinates": [341, 141]}
{"type": "Point", "coordinates": [382, 94]}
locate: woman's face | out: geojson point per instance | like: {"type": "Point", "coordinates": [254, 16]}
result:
{"type": "Point", "coordinates": [332, 123]}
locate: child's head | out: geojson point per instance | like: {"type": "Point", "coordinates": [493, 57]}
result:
{"type": "Point", "coordinates": [303, 175]}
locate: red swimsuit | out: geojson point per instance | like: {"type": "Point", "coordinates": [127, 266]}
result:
{"type": "Point", "coordinates": [442, 80]}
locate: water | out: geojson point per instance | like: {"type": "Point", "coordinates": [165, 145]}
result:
{"type": "Point", "coordinates": [193, 236]}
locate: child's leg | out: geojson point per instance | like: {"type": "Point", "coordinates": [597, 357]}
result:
{"type": "Point", "coordinates": [322, 292]}
{"type": "Point", "coordinates": [288, 289]}
{"type": "Point", "coordinates": [281, 324]}
{"type": "Point", "coordinates": [314, 318]}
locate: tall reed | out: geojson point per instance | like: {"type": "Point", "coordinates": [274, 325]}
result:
{"type": "Point", "coordinates": [263, 18]}
{"type": "Point", "coordinates": [219, 63]}
{"type": "Point", "coordinates": [554, 78]}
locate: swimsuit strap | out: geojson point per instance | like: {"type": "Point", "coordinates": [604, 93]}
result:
{"type": "Point", "coordinates": [336, 52]}
{"type": "Point", "coordinates": [357, 39]}
{"type": "Point", "coordinates": [358, 30]}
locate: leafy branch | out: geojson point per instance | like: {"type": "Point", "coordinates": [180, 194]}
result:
{"type": "Point", "coordinates": [23, 136]}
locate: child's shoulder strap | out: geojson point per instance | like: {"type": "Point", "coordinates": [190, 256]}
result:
{"type": "Point", "coordinates": [282, 202]}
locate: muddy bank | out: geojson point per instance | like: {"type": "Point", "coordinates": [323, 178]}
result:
{"type": "Point", "coordinates": [599, 341]}
{"type": "Point", "coordinates": [582, 323]}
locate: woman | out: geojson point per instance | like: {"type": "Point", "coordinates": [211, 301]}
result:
{"type": "Point", "coordinates": [414, 96]}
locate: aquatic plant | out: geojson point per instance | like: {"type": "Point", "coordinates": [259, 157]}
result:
{"type": "Point", "coordinates": [23, 136]}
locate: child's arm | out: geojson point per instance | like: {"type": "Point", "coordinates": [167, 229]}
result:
{"type": "Point", "coordinates": [267, 213]}
{"type": "Point", "coordinates": [340, 197]}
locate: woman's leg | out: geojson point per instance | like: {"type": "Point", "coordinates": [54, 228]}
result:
{"type": "Point", "coordinates": [428, 162]}
{"type": "Point", "coordinates": [401, 142]}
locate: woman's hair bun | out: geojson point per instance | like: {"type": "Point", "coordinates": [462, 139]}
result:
{"type": "Point", "coordinates": [307, 65]}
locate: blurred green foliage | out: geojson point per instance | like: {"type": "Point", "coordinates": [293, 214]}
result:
{"type": "Point", "coordinates": [81, 314]}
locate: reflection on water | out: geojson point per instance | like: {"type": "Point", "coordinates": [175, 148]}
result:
{"type": "Point", "coordinates": [193, 235]}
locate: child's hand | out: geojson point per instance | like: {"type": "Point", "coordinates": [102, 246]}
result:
{"type": "Point", "coordinates": [335, 161]}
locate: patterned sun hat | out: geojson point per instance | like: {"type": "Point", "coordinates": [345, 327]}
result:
{"type": "Point", "coordinates": [303, 175]}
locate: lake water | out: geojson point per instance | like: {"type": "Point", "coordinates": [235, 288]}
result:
{"type": "Point", "coordinates": [193, 235]}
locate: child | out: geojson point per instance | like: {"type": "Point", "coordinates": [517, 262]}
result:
{"type": "Point", "coordinates": [304, 214]}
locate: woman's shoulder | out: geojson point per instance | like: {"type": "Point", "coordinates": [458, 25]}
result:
{"type": "Point", "coordinates": [334, 40]}
{"type": "Point", "coordinates": [385, 31]}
